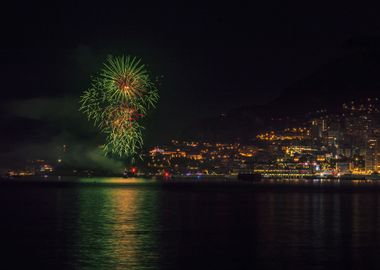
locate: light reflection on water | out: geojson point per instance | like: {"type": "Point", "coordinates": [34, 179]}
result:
{"type": "Point", "coordinates": [117, 225]}
{"type": "Point", "coordinates": [142, 224]}
{"type": "Point", "coordinates": [323, 182]}
{"type": "Point", "coordinates": [114, 180]}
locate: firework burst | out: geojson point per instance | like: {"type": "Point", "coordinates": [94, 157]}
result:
{"type": "Point", "coordinates": [119, 97]}
{"type": "Point", "coordinates": [127, 79]}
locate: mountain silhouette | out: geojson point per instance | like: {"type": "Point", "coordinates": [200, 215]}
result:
{"type": "Point", "coordinates": [353, 75]}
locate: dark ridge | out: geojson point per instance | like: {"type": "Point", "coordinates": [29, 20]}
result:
{"type": "Point", "coordinates": [353, 75]}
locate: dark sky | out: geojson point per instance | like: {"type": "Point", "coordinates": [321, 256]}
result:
{"type": "Point", "coordinates": [213, 56]}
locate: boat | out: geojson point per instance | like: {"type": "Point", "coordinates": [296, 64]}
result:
{"type": "Point", "coordinates": [130, 173]}
{"type": "Point", "coordinates": [352, 177]}
{"type": "Point", "coordinates": [373, 176]}
{"type": "Point", "coordinates": [250, 177]}
{"type": "Point", "coordinates": [127, 174]}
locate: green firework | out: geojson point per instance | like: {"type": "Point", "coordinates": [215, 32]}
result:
{"type": "Point", "coordinates": [118, 98]}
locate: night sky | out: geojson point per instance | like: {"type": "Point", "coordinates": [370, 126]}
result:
{"type": "Point", "coordinates": [210, 58]}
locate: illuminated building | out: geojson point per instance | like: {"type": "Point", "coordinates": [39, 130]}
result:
{"type": "Point", "coordinates": [343, 167]}
{"type": "Point", "coordinates": [372, 157]}
{"type": "Point", "coordinates": [318, 126]}
{"type": "Point", "coordinates": [46, 168]}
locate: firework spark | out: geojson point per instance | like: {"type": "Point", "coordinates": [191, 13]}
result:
{"type": "Point", "coordinates": [118, 98]}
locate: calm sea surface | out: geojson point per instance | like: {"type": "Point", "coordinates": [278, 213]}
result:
{"type": "Point", "coordinates": [115, 223]}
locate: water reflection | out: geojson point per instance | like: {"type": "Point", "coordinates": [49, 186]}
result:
{"type": "Point", "coordinates": [115, 180]}
{"type": "Point", "coordinates": [321, 229]}
{"type": "Point", "coordinates": [116, 226]}
{"type": "Point", "coordinates": [143, 224]}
